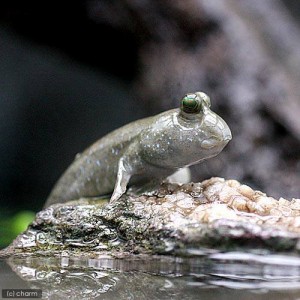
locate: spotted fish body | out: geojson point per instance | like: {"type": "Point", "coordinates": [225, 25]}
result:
{"type": "Point", "coordinates": [149, 149]}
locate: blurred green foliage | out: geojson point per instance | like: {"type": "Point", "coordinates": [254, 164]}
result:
{"type": "Point", "coordinates": [11, 226]}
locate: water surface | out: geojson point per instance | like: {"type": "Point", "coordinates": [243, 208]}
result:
{"type": "Point", "coordinates": [229, 275]}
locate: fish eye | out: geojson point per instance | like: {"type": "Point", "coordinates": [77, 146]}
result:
{"type": "Point", "coordinates": [204, 98]}
{"type": "Point", "coordinates": [191, 104]}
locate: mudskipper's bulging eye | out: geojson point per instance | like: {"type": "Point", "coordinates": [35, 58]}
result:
{"type": "Point", "coordinates": [191, 104]}
{"type": "Point", "coordinates": [204, 98]}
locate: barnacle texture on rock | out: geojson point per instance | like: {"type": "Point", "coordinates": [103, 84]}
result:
{"type": "Point", "coordinates": [176, 220]}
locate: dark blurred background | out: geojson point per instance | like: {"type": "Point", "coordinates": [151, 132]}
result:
{"type": "Point", "coordinates": [65, 81]}
{"type": "Point", "coordinates": [72, 71]}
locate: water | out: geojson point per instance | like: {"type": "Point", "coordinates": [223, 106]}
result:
{"type": "Point", "coordinates": [229, 275]}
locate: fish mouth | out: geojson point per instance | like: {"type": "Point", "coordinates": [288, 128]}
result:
{"type": "Point", "coordinates": [210, 143]}
{"type": "Point", "coordinates": [227, 139]}
{"type": "Point", "coordinates": [214, 142]}
{"type": "Point", "coordinates": [227, 136]}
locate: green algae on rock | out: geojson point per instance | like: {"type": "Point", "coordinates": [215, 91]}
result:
{"type": "Point", "coordinates": [176, 220]}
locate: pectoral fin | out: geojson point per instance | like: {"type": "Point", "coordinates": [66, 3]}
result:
{"type": "Point", "coordinates": [181, 176]}
{"type": "Point", "coordinates": [123, 177]}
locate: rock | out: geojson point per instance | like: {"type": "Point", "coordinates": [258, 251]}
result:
{"type": "Point", "coordinates": [181, 220]}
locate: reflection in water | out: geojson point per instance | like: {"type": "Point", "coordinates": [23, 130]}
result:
{"type": "Point", "coordinates": [217, 275]}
